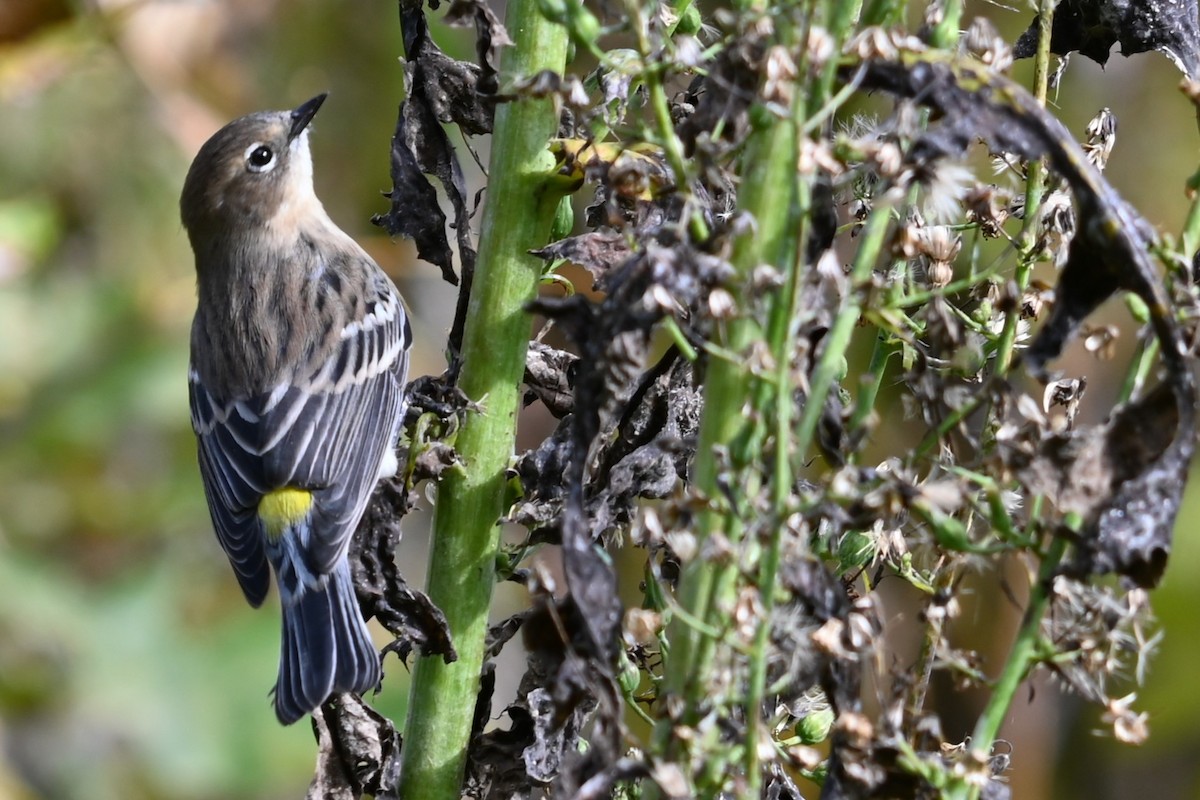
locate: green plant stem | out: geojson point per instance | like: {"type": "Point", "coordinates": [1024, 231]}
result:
{"type": "Point", "coordinates": [1034, 188]}
{"type": "Point", "coordinates": [838, 16]}
{"type": "Point", "coordinates": [517, 217]}
{"type": "Point", "coordinates": [782, 331]}
{"type": "Point", "coordinates": [869, 393]}
{"type": "Point", "coordinates": [951, 420]}
{"type": "Point", "coordinates": [935, 625]}
{"type": "Point", "coordinates": [660, 107]}
{"type": "Point", "coordinates": [946, 33]}
{"type": "Point", "coordinates": [1023, 656]}
{"type": "Point", "coordinates": [1021, 659]}
{"type": "Point", "coordinates": [1190, 238]}
{"type": "Point", "coordinates": [766, 195]}
{"type": "Point", "coordinates": [838, 339]}
{"type": "Point", "coordinates": [1135, 379]}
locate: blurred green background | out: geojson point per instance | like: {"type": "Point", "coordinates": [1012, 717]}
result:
{"type": "Point", "coordinates": [130, 666]}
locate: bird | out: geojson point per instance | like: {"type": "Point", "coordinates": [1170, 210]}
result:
{"type": "Point", "coordinates": [299, 356]}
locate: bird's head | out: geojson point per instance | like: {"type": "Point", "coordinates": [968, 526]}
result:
{"type": "Point", "coordinates": [255, 174]}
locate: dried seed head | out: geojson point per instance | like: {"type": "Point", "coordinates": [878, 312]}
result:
{"type": "Point", "coordinates": [907, 242]}
{"type": "Point", "coordinates": [946, 185]}
{"type": "Point", "coordinates": [1101, 138]}
{"type": "Point", "coordinates": [688, 52]}
{"type": "Point", "coordinates": [1101, 340]}
{"type": "Point", "coordinates": [1060, 69]}
{"type": "Point", "coordinates": [671, 779]}
{"type": "Point", "coordinates": [1066, 393]}
{"type": "Point", "coordinates": [682, 544]}
{"type": "Point", "coordinates": [1036, 299]}
{"type": "Point", "coordinates": [820, 47]}
{"type": "Point", "coordinates": [659, 300]}
{"type": "Point", "coordinates": [872, 42]}
{"type": "Point", "coordinates": [828, 638]}
{"type": "Point", "coordinates": [721, 304]}
{"type": "Point", "coordinates": [748, 613]}
{"type": "Point", "coordinates": [856, 727]}
{"type": "Point", "coordinates": [1056, 226]}
{"type": "Point", "coordinates": [938, 274]}
{"type": "Point", "coordinates": [935, 246]}
{"type": "Point", "coordinates": [576, 95]}
{"type": "Point", "coordinates": [987, 45]}
{"type": "Point", "coordinates": [987, 208]}
{"type": "Point", "coordinates": [940, 243]}
{"type": "Point", "coordinates": [887, 159]}
{"type": "Point", "coordinates": [642, 625]}
{"type": "Point", "coordinates": [816, 155]}
{"type": "Point", "coordinates": [1009, 163]}
{"type": "Point", "coordinates": [765, 277]}
{"type": "Point", "coordinates": [780, 71]}
{"type": "Point", "coordinates": [1129, 727]}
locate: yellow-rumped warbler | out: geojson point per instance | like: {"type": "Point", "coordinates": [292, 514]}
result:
{"type": "Point", "coordinates": [299, 357]}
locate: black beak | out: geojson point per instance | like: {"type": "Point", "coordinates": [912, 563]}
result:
{"type": "Point", "coordinates": [304, 114]}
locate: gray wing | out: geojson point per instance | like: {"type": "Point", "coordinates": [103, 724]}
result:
{"type": "Point", "coordinates": [327, 432]}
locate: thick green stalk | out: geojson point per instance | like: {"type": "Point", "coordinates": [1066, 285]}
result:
{"type": "Point", "coordinates": [516, 218]}
{"type": "Point", "coordinates": [781, 337]}
{"type": "Point", "coordinates": [768, 184]}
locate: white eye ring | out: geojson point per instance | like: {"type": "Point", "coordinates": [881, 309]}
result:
{"type": "Point", "coordinates": [260, 157]}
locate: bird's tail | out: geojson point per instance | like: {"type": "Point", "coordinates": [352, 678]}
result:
{"type": "Point", "coordinates": [325, 648]}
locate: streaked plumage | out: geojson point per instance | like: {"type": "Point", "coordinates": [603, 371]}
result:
{"type": "Point", "coordinates": [299, 357]}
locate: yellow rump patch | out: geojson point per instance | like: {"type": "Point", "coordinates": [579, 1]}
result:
{"type": "Point", "coordinates": [282, 509]}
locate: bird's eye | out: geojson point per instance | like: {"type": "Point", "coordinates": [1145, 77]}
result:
{"type": "Point", "coordinates": [259, 157]}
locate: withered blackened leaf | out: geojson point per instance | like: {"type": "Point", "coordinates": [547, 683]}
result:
{"type": "Point", "coordinates": [433, 461]}
{"type": "Point", "coordinates": [970, 103]}
{"type": "Point", "coordinates": [1092, 27]}
{"type": "Point", "coordinates": [414, 212]}
{"type": "Point", "coordinates": [541, 471]}
{"type": "Point", "coordinates": [592, 582]}
{"type": "Point", "coordinates": [598, 251]}
{"type": "Point", "coordinates": [1132, 535]}
{"type": "Point", "coordinates": [553, 738]}
{"type": "Point", "coordinates": [430, 394]}
{"type": "Point", "coordinates": [549, 376]}
{"type": "Point", "coordinates": [724, 96]}
{"type": "Point", "coordinates": [449, 88]}
{"type": "Point", "coordinates": [1118, 477]}
{"type": "Point", "coordinates": [382, 592]}
{"type": "Point", "coordinates": [1130, 530]}
{"type": "Point", "coordinates": [358, 752]}
{"type": "Point", "coordinates": [499, 634]}
{"type": "Point", "coordinates": [490, 36]}
{"type": "Point", "coordinates": [440, 90]}
{"type": "Point", "coordinates": [558, 695]}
